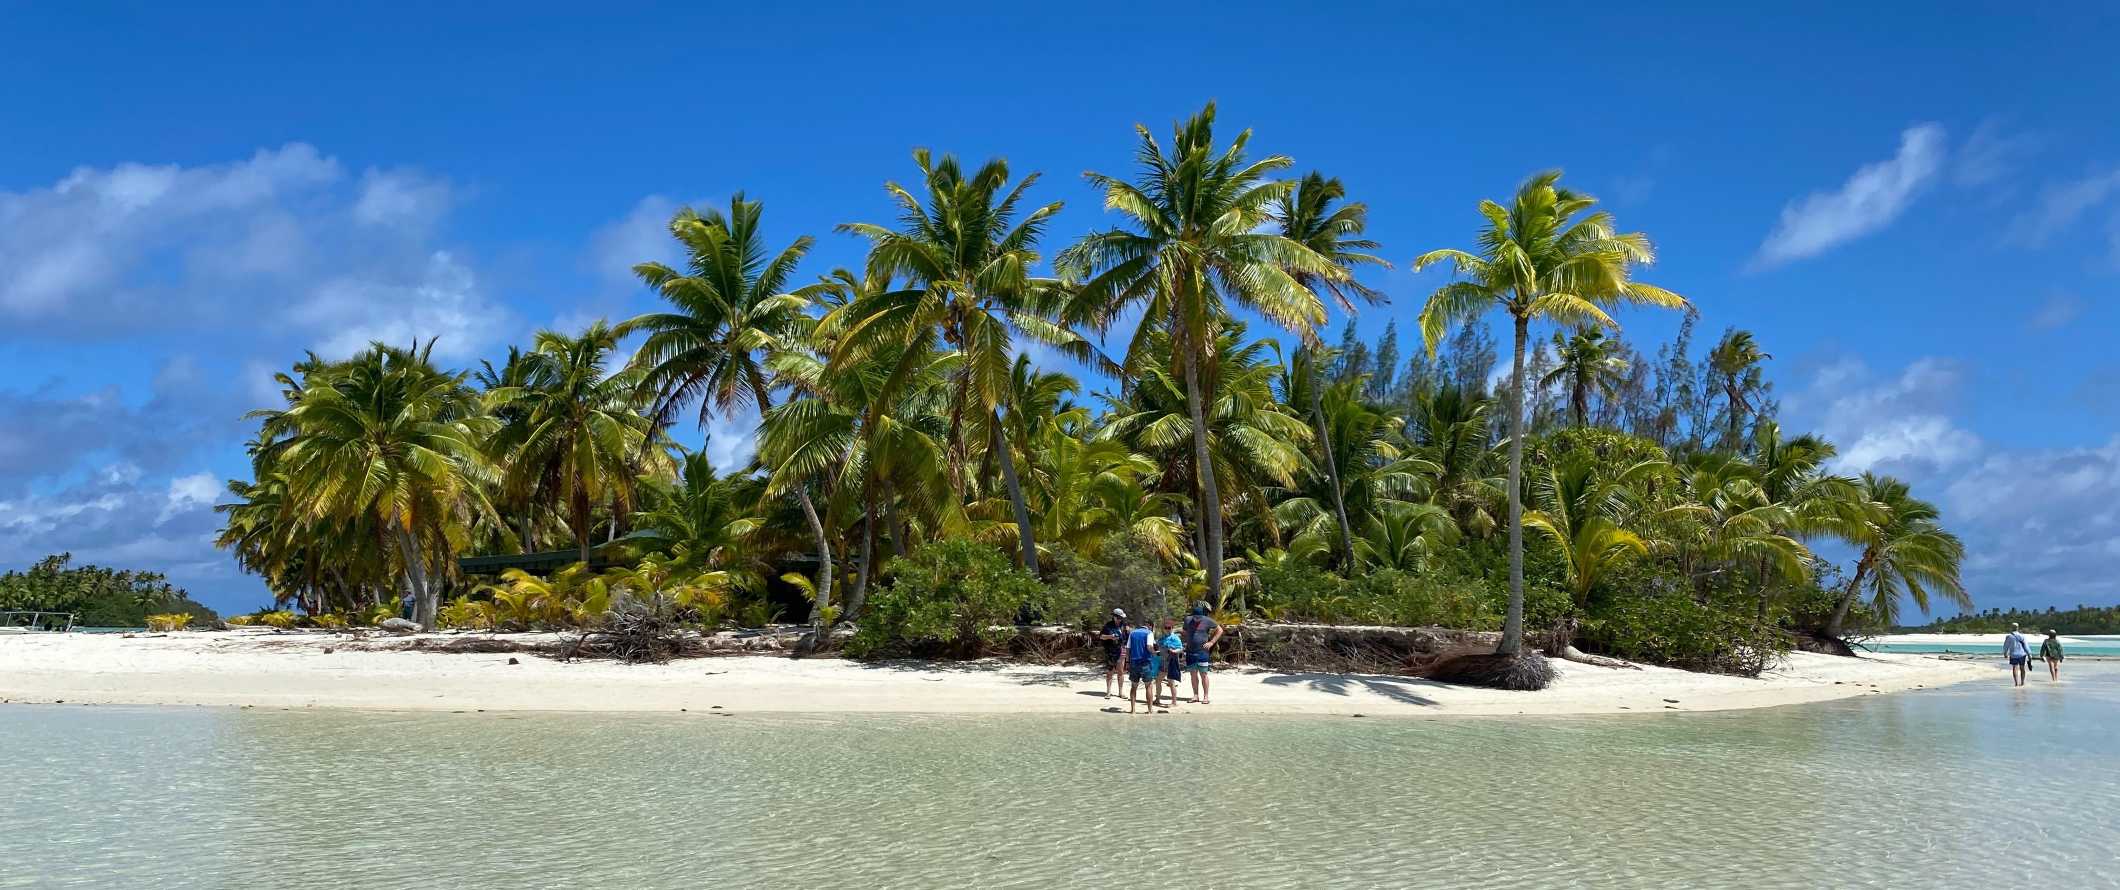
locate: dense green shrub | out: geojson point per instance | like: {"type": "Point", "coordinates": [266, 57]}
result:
{"type": "Point", "coordinates": [1445, 598]}
{"type": "Point", "coordinates": [1123, 575]}
{"type": "Point", "coordinates": [952, 598]}
{"type": "Point", "coordinates": [1676, 630]}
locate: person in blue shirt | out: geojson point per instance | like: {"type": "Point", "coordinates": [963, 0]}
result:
{"type": "Point", "coordinates": [2019, 653]}
{"type": "Point", "coordinates": [1172, 648]}
{"type": "Point", "coordinates": [1140, 659]}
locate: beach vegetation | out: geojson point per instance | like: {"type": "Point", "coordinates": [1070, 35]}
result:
{"type": "Point", "coordinates": [98, 596]}
{"type": "Point", "coordinates": [977, 425]}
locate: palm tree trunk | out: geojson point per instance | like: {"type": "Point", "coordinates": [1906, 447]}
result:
{"type": "Point", "coordinates": [1847, 597]}
{"type": "Point", "coordinates": [1203, 467]}
{"type": "Point", "coordinates": [1513, 623]}
{"type": "Point", "coordinates": [896, 526]}
{"type": "Point", "coordinates": [1332, 469]}
{"type": "Point", "coordinates": [860, 594]}
{"type": "Point", "coordinates": [423, 605]}
{"type": "Point", "coordinates": [824, 562]}
{"type": "Point", "coordinates": [1580, 401]}
{"type": "Point", "coordinates": [522, 531]}
{"type": "Point", "coordinates": [1025, 539]}
{"type": "Point", "coordinates": [581, 526]}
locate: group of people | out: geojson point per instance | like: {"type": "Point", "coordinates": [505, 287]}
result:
{"type": "Point", "coordinates": [1151, 656]}
{"type": "Point", "coordinates": [2019, 652]}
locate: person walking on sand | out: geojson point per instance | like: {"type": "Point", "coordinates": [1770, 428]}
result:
{"type": "Point", "coordinates": [1202, 632]}
{"type": "Point", "coordinates": [2019, 654]}
{"type": "Point", "coordinates": [2050, 652]}
{"type": "Point", "coordinates": [1140, 651]}
{"type": "Point", "coordinates": [1113, 638]}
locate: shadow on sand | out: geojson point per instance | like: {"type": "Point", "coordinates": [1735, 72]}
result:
{"type": "Point", "coordinates": [1023, 674]}
{"type": "Point", "coordinates": [1398, 689]}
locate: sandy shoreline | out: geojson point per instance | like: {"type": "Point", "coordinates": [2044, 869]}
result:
{"type": "Point", "coordinates": [294, 671]}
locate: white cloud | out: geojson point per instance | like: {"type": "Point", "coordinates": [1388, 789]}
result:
{"type": "Point", "coordinates": [94, 229]}
{"type": "Point", "coordinates": [400, 197]}
{"type": "Point", "coordinates": [187, 493]}
{"type": "Point", "coordinates": [2061, 204]}
{"type": "Point", "coordinates": [732, 441]}
{"type": "Point", "coordinates": [1892, 425]}
{"type": "Point", "coordinates": [441, 301]}
{"type": "Point", "coordinates": [1870, 200]}
{"type": "Point", "coordinates": [642, 235]}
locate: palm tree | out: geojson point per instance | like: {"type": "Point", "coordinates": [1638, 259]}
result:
{"type": "Point", "coordinates": [575, 434]}
{"type": "Point", "coordinates": [1578, 508]}
{"type": "Point", "coordinates": [731, 309]}
{"type": "Point", "coordinates": [1305, 378]}
{"type": "Point", "coordinates": [1547, 256]}
{"type": "Point", "coordinates": [967, 260]}
{"type": "Point", "coordinates": [1736, 362]}
{"type": "Point", "coordinates": [1904, 551]}
{"type": "Point", "coordinates": [1195, 246]}
{"type": "Point", "coordinates": [389, 439]}
{"type": "Point", "coordinates": [1588, 363]}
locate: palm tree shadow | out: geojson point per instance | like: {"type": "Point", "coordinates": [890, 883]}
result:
{"type": "Point", "coordinates": [1398, 689]}
{"type": "Point", "coordinates": [1026, 675]}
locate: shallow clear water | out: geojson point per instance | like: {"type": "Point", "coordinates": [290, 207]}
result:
{"type": "Point", "coordinates": [2075, 646]}
{"type": "Point", "coordinates": [1975, 784]}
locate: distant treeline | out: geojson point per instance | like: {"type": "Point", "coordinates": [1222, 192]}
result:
{"type": "Point", "coordinates": [101, 597]}
{"type": "Point", "coordinates": [2079, 620]}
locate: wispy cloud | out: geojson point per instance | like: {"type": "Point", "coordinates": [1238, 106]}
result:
{"type": "Point", "coordinates": [1870, 200]}
{"type": "Point", "coordinates": [1990, 155]}
{"type": "Point", "coordinates": [2057, 311]}
{"type": "Point", "coordinates": [2061, 204]}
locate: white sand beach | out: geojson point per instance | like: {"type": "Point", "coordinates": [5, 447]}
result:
{"type": "Point", "coordinates": [266, 670]}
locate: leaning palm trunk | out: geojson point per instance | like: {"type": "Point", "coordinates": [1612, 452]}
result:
{"type": "Point", "coordinates": [1513, 623]}
{"type": "Point", "coordinates": [1210, 497]}
{"type": "Point", "coordinates": [824, 562]}
{"type": "Point", "coordinates": [1847, 597]}
{"type": "Point", "coordinates": [1028, 543]}
{"type": "Point", "coordinates": [1332, 472]}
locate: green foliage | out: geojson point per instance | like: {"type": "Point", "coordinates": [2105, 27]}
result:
{"type": "Point", "coordinates": [2079, 620]}
{"type": "Point", "coordinates": [278, 619]}
{"type": "Point", "coordinates": [328, 621]}
{"type": "Point", "coordinates": [1445, 598]}
{"type": "Point", "coordinates": [101, 597]}
{"type": "Point", "coordinates": [1673, 629]}
{"type": "Point", "coordinates": [1124, 574]}
{"type": "Point", "coordinates": [169, 621]}
{"type": "Point", "coordinates": [951, 598]}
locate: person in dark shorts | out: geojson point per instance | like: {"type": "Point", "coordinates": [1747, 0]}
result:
{"type": "Point", "coordinates": [2019, 654]}
{"type": "Point", "coordinates": [1113, 638]}
{"type": "Point", "coordinates": [2050, 652]}
{"type": "Point", "coordinates": [1140, 656]}
{"type": "Point", "coordinates": [1172, 650]}
{"type": "Point", "coordinates": [1202, 632]}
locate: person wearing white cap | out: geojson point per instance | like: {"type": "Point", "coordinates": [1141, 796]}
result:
{"type": "Point", "coordinates": [2019, 654]}
{"type": "Point", "coordinates": [1113, 635]}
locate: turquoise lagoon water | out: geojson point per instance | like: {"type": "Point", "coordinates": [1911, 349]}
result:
{"type": "Point", "coordinates": [2103, 646]}
{"type": "Point", "coordinates": [1971, 785]}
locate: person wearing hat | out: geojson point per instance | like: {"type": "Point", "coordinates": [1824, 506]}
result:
{"type": "Point", "coordinates": [1113, 636]}
{"type": "Point", "coordinates": [1202, 632]}
{"type": "Point", "coordinates": [2050, 652]}
{"type": "Point", "coordinates": [2019, 654]}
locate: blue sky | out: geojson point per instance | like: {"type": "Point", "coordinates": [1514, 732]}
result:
{"type": "Point", "coordinates": [1918, 215]}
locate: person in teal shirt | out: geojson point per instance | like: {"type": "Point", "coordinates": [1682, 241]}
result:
{"type": "Point", "coordinates": [2050, 652]}
{"type": "Point", "coordinates": [1173, 652]}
